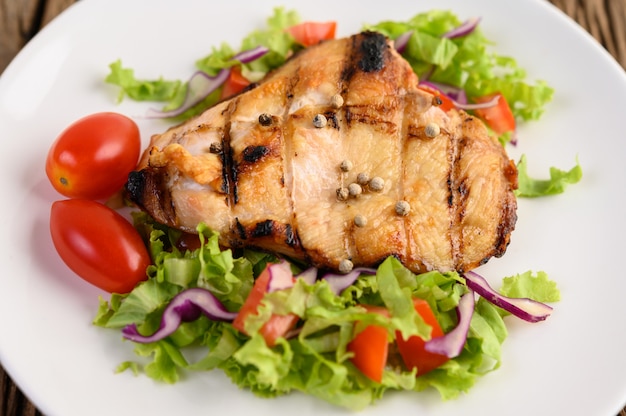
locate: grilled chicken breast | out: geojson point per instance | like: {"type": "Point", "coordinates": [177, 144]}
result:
{"type": "Point", "coordinates": [338, 159]}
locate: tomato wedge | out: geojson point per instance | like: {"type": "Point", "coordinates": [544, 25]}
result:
{"type": "Point", "coordinates": [446, 102]}
{"type": "Point", "coordinates": [234, 84]}
{"type": "Point", "coordinates": [371, 346]}
{"type": "Point", "coordinates": [499, 117]}
{"type": "Point", "coordinates": [277, 326]}
{"type": "Point", "coordinates": [311, 33]}
{"type": "Point", "coordinates": [413, 351]}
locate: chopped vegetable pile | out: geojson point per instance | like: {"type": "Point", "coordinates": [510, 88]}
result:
{"type": "Point", "coordinates": [299, 329]}
{"type": "Point", "coordinates": [275, 326]}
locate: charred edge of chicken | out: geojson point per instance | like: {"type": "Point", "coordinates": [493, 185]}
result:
{"type": "Point", "coordinates": [148, 189]}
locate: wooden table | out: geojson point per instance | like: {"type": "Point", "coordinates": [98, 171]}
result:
{"type": "Point", "coordinates": [20, 20]}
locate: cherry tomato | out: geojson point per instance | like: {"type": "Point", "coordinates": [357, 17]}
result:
{"type": "Point", "coordinates": [234, 84]}
{"type": "Point", "coordinates": [311, 33]}
{"type": "Point", "coordinates": [92, 157]}
{"type": "Point", "coordinates": [499, 117]}
{"type": "Point", "coordinates": [98, 244]}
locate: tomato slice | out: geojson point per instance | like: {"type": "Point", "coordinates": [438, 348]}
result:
{"type": "Point", "coordinates": [499, 117]}
{"type": "Point", "coordinates": [370, 348]}
{"type": "Point", "coordinates": [234, 84]}
{"type": "Point", "coordinates": [413, 351]}
{"type": "Point", "coordinates": [446, 102]}
{"type": "Point", "coordinates": [277, 326]}
{"type": "Point", "coordinates": [311, 33]}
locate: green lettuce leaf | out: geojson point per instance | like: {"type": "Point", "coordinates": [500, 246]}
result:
{"type": "Point", "coordinates": [172, 92]}
{"type": "Point", "coordinates": [466, 62]}
{"type": "Point", "coordinates": [279, 42]}
{"type": "Point", "coordinates": [537, 286]}
{"type": "Point", "coordinates": [142, 90]}
{"type": "Point", "coordinates": [559, 179]}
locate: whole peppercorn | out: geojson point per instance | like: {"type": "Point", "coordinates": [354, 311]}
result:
{"type": "Point", "coordinates": [343, 194]}
{"type": "Point", "coordinates": [319, 121]}
{"type": "Point", "coordinates": [355, 189]}
{"type": "Point", "coordinates": [362, 178]}
{"type": "Point", "coordinates": [432, 130]}
{"type": "Point", "coordinates": [345, 165]}
{"type": "Point", "coordinates": [345, 266]}
{"type": "Point", "coordinates": [265, 119]}
{"type": "Point", "coordinates": [215, 147]}
{"type": "Point", "coordinates": [377, 184]}
{"type": "Point", "coordinates": [360, 220]}
{"type": "Point", "coordinates": [403, 208]}
{"type": "Point", "coordinates": [336, 101]}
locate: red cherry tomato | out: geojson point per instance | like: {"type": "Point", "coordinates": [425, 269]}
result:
{"type": "Point", "coordinates": [98, 244]}
{"type": "Point", "coordinates": [92, 157]}
{"type": "Point", "coordinates": [311, 33]}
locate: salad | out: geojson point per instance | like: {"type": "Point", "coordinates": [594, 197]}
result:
{"type": "Point", "coordinates": [276, 326]}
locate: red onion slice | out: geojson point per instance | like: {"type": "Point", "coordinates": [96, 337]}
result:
{"type": "Point", "coordinates": [281, 276]}
{"type": "Point", "coordinates": [402, 40]}
{"type": "Point", "coordinates": [199, 86]}
{"type": "Point", "coordinates": [451, 344]}
{"type": "Point", "coordinates": [458, 96]}
{"type": "Point", "coordinates": [464, 29]}
{"type": "Point", "coordinates": [449, 90]}
{"type": "Point", "coordinates": [186, 306]}
{"type": "Point", "coordinates": [309, 275]}
{"type": "Point", "coordinates": [339, 282]}
{"type": "Point", "coordinates": [524, 308]}
{"type": "Point", "coordinates": [250, 55]}
{"type": "Point", "coordinates": [491, 103]}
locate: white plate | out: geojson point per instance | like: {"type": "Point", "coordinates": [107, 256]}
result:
{"type": "Point", "coordinates": [573, 363]}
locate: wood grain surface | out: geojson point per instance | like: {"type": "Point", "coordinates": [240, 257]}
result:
{"type": "Point", "coordinates": [20, 20]}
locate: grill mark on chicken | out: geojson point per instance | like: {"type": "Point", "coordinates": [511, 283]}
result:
{"type": "Point", "coordinates": [333, 122]}
{"type": "Point", "coordinates": [263, 229]}
{"type": "Point", "coordinates": [241, 232]}
{"type": "Point", "coordinates": [461, 193]}
{"type": "Point", "coordinates": [229, 174]}
{"type": "Point", "coordinates": [454, 202]}
{"type": "Point", "coordinates": [373, 124]}
{"type": "Point", "coordinates": [349, 68]}
{"type": "Point", "coordinates": [270, 231]}
{"type": "Point", "coordinates": [347, 73]}
{"type": "Point", "coordinates": [290, 230]}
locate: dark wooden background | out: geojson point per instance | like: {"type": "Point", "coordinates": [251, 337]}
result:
{"type": "Point", "coordinates": [20, 20]}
